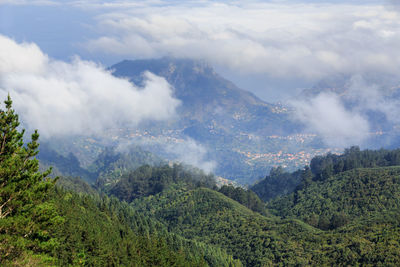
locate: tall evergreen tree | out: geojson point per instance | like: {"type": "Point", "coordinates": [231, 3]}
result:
{"type": "Point", "coordinates": [26, 215]}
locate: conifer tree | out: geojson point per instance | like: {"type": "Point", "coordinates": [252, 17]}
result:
{"type": "Point", "coordinates": [26, 215]}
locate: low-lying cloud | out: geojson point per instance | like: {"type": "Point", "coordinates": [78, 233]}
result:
{"type": "Point", "coordinates": [328, 117]}
{"type": "Point", "coordinates": [79, 97]}
{"type": "Point", "coordinates": [359, 108]}
{"type": "Point", "coordinates": [192, 153]}
{"type": "Point", "coordinates": [303, 40]}
{"type": "Point", "coordinates": [181, 149]}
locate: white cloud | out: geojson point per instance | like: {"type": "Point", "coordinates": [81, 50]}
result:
{"type": "Point", "coordinates": [80, 97]}
{"type": "Point", "coordinates": [190, 152]}
{"type": "Point", "coordinates": [370, 96]}
{"type": "Point", "coordinates": [181, 149]}
{"type": "Point", "coordinates": [307, 41]}
{"type": "Point", "coordinates": [326, 115]}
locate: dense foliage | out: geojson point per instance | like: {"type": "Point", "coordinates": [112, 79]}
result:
{"type": "Point", "coordinates": [341, 198]}
{"type": "Point", "coordinates": [76, 184]}
{"type": "Point", "coordinates": [324, 167]}
{"type": "Point", "coordinates": [278, 182]}
{"type": "Point", "coordinates": [245, 197]}
{"type": "Point", "coordinates": [41, 225]}
{"type": "Point", "coordinates": [102, 231]}
{"type": "Point", "coordinates": [355, 212]}
{"type": "Point", "coordinates": [208, 216]}
{"type": "Point", "coordinates": [148, 180]}
{"type": "Point", "coordinates": [26, 213]}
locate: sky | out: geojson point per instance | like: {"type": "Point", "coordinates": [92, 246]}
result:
{"type": "Point", "coordinates": [274, 49]}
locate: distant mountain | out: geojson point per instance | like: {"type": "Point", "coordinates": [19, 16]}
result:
{"type": "Point", "coordinates": [208, 100]}
{"type": "Point", "coordinates": [219, 126]}
{"type": "Point", "coordinates": [107, 168]}
{"type": "Point", "coordinates": [63, 165]}
{"type": "Point", "coordinates": [112, 163]}
{"type": "Point", "coordinates": [240, 132]}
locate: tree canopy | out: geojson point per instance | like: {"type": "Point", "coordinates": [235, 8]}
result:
{"type": "Point", "coordinates": [25, 214]}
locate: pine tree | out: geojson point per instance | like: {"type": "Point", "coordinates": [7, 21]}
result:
{"type": "Point", "coordinates": [26, 215]}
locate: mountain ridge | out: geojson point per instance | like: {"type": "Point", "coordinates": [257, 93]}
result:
{"type": "Point", "coordinates": [229, 122]}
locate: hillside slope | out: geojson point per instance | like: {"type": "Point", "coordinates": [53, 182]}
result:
{"type": "Point", "coordinates": [233, 125]}
{"type": "Point", "coordinates": [343, 197]}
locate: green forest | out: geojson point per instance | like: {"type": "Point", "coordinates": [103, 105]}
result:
{"type": "Point", "coordinates": [137, 210]}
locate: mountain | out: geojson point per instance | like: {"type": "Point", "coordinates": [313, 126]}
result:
{"type": "Point", "coordinates": [219, 126]}
{"type": "Point", "coordinates": [68, 165]}
{"type": "Point", "coordinates": [208, 100]}
{"type": "Point", "coordinates": [337, 189]}
{"type": "Point", "coordinates": [280, 182]}
{"type": "Point", "coordinates": [110, 164]}
{"type": "Point", "coordinates": [242, 134]}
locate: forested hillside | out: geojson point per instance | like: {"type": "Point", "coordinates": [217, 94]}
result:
{"type": "Point", "coordinates": [342, 210]}
{"type": "Point", "coordinates": [344, 197]}
{"type": "Point", "coordinates": [42, 225]}
{"type": "Point", "coordinates": [280, 182]}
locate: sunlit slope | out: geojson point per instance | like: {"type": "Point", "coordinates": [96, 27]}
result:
{"type": "Point", "coordinates": [208, 216]}
{"type": "Point", "coordinates": [345, 196]}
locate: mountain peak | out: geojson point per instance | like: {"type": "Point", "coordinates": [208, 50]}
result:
{"type": "Point", "coordinates": [195, 82]}
{"type": "Point", "coordinates": [165, 66]}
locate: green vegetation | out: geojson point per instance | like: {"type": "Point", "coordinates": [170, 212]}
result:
{"type": "Point", "coordinates": [344, 197]}
{"type": "Point", "coordinates": [343, 210]}
{"type": "Point", "coordinates": [208, 216]}
{"type": "Point", "coordinates": [148, 180]}
{"type": "Point", "coordinates": [245, 197]}
{"type": "Point", "coordinates": [324, 167]}
{"type": "Point", "coordinates": [41, 225]}
{"type": "Point", "coordinates": [102, 231]}
{"type": "Point", "coordinates": [352, 230]}
{"type": "Point", "coordinates": [27, 215]}
{"type": "Point", "coordinates": [278, 182]}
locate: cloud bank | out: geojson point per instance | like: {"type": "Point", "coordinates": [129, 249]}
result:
{"type": "Point", "coordinates": [326, 115]}
{"type": "Point", "coordinates": [303, 40]}
{"type": "Point", "coordinates": [80, 97]}
{"type": "Point", "coordinates": [361, 107]}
